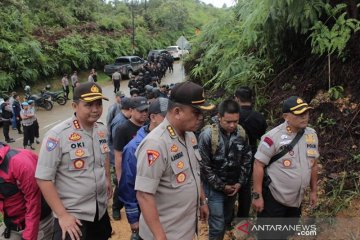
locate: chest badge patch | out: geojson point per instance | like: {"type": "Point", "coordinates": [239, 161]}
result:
{"type": "Point", "coordinates": [74, 137]}
{"type": "Point", "coordinates": [181, 177]}
{"type": "Point", "coordinates": [79, 152]}
{"type": "Point", "coordinates": [286, 163]}
{"type": "Point", "coordinates": [51, 144]}
{"type": "Point", "coordinates": [105, 148]}
{"type": "Point", "coordinates": [152, 156]}
{"type": "Point", "coordinates": [180, 165]}
{"type": "Point", "coordinates": [309, 138]}
{"type": "Point", "coordinates": [101, 134]}
{"type": "Point", "coordinates": [174, 148]}
{"type": "Point", "coordinates": [79, 164]}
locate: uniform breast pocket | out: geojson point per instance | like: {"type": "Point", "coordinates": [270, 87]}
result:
{"type": "Point", "coordinates": [180, 173]}
{"type": "Point", "coordinates": [79, 159]}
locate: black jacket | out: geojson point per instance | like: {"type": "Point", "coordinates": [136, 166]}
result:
{"type": "Point", "coordinates": [231, 162]}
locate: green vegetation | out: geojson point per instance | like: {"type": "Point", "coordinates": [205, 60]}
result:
{"type": "Point", "coordinates": [42, 38]}
{"type": "Point", "coordinates": [287, 47]}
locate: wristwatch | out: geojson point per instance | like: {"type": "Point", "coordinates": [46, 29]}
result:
{"type": "Point", "coordinates": [204, 202]}
{"type": "Point", "coordinates": [255, 195]}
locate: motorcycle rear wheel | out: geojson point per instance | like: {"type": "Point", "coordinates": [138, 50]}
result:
{"type": "Point", "coordinates": [61, 100]}
{"type": "Point", "coordinates": [48, 105]}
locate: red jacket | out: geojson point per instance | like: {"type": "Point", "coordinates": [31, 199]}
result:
{"type": "Point", "coordinates": [20, 197]}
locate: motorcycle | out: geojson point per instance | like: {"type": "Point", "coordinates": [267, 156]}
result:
{"type": "Point", "coordinates": [54, 96]}
{"type": "Point", "coordinates": [40, 101]}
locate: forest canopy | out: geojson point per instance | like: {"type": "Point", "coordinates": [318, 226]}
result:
{"type": "Point", "coordinates": [42, 38]}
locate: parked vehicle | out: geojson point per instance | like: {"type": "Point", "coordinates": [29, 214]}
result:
{"type": "Point", "coordinates": [54, 96]}
{"type": "Point", "coordinates": [40, 101]}
{"type": "Point", "coordinates": [126, 65]}
{"type": "Point", "coordinates": [176, 52]}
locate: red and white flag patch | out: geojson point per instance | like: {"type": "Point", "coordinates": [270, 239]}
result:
{"type": "Point", "coordinates": [268, 142]}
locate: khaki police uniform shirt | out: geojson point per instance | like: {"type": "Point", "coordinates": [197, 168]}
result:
{"type": "Point", "coordinates": [75, 160]}
{"type": "Point", "coordinates": [168, 167]}
{"type": "Point", "coordinates": [291, 173]}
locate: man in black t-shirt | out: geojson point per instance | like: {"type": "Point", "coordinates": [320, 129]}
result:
{"type": "Point", "coordinates": [126, 131]}
{"type": "Point", "coordinates": [255, 126]}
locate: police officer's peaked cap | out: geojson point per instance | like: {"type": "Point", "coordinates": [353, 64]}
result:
{"type": "Point", "coordinates": [295, 105]}
{"type": "Point", "coordinates": [190, 93]}
{"type": "Point", "coordinates": [88, 92]}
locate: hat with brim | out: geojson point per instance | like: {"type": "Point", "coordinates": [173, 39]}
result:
{"type": "Point", "coordinates": [295, 105]}
{"type": "Point", "coordinates": [189, 93]}
{"type": "Point", "coordinates": [140, 103]}
{"type": "Point", "coordinates": [88, 92]}
{"type": "Point", "coordinates": [25, 103]}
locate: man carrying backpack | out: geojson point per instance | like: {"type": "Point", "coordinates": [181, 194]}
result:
{"type": "Point", "coordinates": [225, 166]}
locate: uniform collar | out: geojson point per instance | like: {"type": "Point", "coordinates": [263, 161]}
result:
{"type": "Point", "coordinates": [75, 124]}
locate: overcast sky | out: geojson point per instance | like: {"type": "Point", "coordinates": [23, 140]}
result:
{"type": "Point", "coordinates": [219, 3]}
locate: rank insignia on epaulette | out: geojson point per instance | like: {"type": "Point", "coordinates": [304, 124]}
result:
{"type": "Point", "coordinates": [193, 140]}
{"type": "Point", "coordinates": [171, 131]}
{"type": "Point", "coordinates": [76, 124]}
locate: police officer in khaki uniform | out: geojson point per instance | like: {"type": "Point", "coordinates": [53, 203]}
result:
{"type": "Point", "coordinates": [168, 184]}
{"type": "Point", "coordinates": [73, 170]}
{"type": "Point", "coordinates": [293, 172]}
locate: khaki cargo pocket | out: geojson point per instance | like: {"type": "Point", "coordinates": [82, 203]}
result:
{"type": "Point", "coordinates": [79, 159]}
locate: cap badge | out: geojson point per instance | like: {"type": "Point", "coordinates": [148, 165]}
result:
{"type": "Point", "coordinates": [299, 101]}
{"type": "Point", "coordinates": [94, 89]}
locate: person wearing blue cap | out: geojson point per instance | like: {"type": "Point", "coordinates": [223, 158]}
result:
{"type": "Point", "coordinates": [35, 123]}
{"type": "Point", "coordinates": [27, 122]}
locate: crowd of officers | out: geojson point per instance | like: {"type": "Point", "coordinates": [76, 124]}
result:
{"type": "Point", "coordinates": [21, 117]}
{"type": "Point", "coordinates": [165, 176]}
{"type": "Point", "coordinates": [147, 83]}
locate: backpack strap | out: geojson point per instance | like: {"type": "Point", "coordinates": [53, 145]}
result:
{"type": "Point", "coordinates": [215, 136]}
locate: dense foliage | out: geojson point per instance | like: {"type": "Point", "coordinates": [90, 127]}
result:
{"type": "Point", "coordinates": [267, 36]}
{"type": "Point", "coordinates": [281, 48]}
{"type": "Point", "coordinates": [40, 38]}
